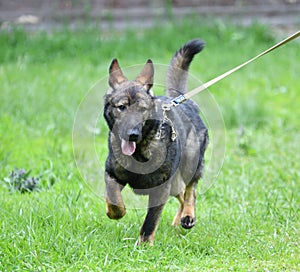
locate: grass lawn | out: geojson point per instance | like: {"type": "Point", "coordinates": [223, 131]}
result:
{"type": "Point", "coordinates": [247, 221]}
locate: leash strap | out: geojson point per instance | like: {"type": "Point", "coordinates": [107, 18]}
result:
{"type": "Point", "coordinates": [182, 98]}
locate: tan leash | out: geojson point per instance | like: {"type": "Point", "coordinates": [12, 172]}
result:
{"type": "Point", "coordinates": [182, 98]}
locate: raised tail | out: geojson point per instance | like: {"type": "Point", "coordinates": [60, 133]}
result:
{"type": "Point", "coordinates": [176, 82]}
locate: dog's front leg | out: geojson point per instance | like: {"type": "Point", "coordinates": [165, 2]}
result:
{"type": "Point", "coordinates": [156, 204]}
{"type": "Point", "coordinates": [150, 224]}
{"type": "Point", "coordinates": [115, 208]}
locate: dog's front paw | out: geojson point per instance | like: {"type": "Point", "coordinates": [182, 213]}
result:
{"type": "Point", "coordinates": [114, 211]}
{"type": "Point", "coordinates": [146, 239]}
{"type": "Point", "coordinates": [187, 222]}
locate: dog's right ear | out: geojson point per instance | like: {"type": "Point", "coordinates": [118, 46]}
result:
{"type": "Point", "coordinates": [116, 76]}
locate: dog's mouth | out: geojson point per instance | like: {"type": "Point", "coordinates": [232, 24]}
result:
{"type": "Point", "coordinates": [128, 147]}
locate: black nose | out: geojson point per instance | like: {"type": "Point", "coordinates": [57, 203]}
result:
{"type": "Point", "coordinates": [133, 134]}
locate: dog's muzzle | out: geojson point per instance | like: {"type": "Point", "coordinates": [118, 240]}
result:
{"type": "Point", "coordinates": [128, 145]}
{"type": "Point", "coordinates": [133, 134]}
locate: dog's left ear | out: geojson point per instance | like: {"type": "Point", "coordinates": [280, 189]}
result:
{"type": "Point", "coordinates": [146, 76]}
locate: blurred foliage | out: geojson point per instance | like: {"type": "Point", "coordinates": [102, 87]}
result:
{"type": "Point", "coordinates": [20, 181]}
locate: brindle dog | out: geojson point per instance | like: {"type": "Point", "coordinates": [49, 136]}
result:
{"type": "Point", "coordinates": [156, 152]}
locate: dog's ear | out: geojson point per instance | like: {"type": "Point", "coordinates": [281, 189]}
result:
{"type": "Point", "coordinates": [146, 76]}
{"type": "Point", "coordinates": [116, 76]}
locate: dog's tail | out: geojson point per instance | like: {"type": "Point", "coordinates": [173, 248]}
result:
{"type": "Point", "coordinates": [177, 74]}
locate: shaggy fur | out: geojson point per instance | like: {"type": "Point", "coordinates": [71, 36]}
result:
{"type": "Point", "coordinates": [156, 153]}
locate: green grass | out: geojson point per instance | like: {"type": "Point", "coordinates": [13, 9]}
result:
{"type": "Point", "coordinates": [249, 219]}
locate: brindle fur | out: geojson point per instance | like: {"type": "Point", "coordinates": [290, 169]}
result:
{"type": "Point", "coordinates": [133, 113]}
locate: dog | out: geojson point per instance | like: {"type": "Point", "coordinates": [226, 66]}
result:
{"type": "Point", "coordinates": [158, 152]}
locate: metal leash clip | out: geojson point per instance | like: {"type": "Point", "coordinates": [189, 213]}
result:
{"type": "Point", "coordinates": [166, 120]}
{"type": "Point", "coordinates": [174, 102]}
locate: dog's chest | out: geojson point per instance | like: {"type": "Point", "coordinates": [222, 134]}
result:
{"type": "Point", "coordinates": [153, 163]}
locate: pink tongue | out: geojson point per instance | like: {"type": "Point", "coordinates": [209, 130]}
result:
{"type": "Point", "coordinates": [128, 148]}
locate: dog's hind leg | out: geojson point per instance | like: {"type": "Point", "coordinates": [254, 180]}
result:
{"type": "Point", "coordinates": [177, 218]}
{"type": "Point", "coordinates": [188, 214]}
{"type": "Point", "coordinates": [115, 208]}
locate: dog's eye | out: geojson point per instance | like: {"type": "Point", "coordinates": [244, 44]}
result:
{"type": "Point", "coordinates": [143, 109]}
{"type": "Point", "coordinates": [121, 107]}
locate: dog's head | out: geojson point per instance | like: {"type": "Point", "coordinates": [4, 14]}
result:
{"type": "Point", "coordinates": [128, 105]}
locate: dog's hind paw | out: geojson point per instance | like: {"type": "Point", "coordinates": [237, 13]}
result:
{"type": "Point", "coordinates": [187, 222]}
